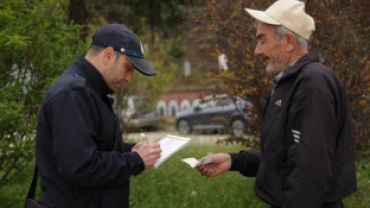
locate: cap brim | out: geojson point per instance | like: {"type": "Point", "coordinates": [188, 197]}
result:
{"type": "Point", "coordinates": [142, 66]}
{"type": "Point", "coordinates": [262, 17]}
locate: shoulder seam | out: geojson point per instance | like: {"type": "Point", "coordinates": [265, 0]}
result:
{"type": "Point", "coordinates": [64, 92]}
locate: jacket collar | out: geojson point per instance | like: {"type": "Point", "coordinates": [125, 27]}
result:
{"type": "Point", "coordinates": [93, 76]}
{"type": "Point", "coordinates": [301, 62]}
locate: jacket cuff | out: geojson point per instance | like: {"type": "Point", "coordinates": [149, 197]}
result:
{"type": "Point", "coordinates": [236, 161]}
{"type": "Point", "coordinates": [139, 164]}
{"type": "Point", "coordinates": [128, 147]}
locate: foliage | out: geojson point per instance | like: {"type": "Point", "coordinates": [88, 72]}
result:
{"type": "Point", "coordinates": [36, 46]}
{"type": "Point", "coordinates": [175, 184]}
{"type": "Point", "coordinates": [175, 48]}
{"type": "Point", "coordinates": [361, 197]}
{"type": "Point", "coordinates": [341, 37]}
{"type": "Point", "coordinates": [163, 16]}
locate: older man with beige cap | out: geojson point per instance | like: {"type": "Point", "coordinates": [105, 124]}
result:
{"type": "Point", "coordinates": [307, 156]}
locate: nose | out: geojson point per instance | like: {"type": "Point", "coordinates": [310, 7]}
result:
{"type": "Point", "coordinates": [258, 50]}
{"type": "Point", "coordinates": [129, 77]}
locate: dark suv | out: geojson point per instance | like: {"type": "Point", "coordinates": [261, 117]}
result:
{"type": "Point", "coordinates": [224, 114]}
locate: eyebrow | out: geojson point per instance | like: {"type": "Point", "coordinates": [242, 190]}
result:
{"type": "Point", "coordinates": [260, 36]}
{"type": "Point", "coordinates": [130, 65]}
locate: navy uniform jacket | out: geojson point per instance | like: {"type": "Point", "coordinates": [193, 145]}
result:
{"type": "Point", "coordinates": [307, 156]}
{"type": "Point", "coordinates": [75, 141]}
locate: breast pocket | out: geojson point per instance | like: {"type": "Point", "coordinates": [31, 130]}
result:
{"type": "Point", "coordinates": [273, 110]}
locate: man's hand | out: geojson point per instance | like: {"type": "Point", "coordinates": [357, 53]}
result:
{"type": "Point", "coordinates": [220, 164]}
{"type": "Point", "coordinates": [149, 153]}
{"type": "Point", "coordinates": [137, 146]}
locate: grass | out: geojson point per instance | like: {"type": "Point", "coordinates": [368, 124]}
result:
{"type": "Point", "coordinates": [175, 185]}
{"type": "Point", "coordinates": [362, 197]}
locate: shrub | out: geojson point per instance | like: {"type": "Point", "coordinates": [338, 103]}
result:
{"type": "Point", "coordinates": [36, 47]}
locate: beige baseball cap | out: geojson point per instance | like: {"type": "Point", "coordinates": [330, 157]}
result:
{"type": "Point", "coordinates": [289, 13]}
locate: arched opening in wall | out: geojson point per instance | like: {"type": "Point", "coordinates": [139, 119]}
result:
{"type": "Point", "coordinates": [173, 108]}
{"type": "Point", "coordinates": [196, 103]}
{"type": "Point", "coordinates": [185, 104]}
{"type": "Point", "coordinates": [161, 108]}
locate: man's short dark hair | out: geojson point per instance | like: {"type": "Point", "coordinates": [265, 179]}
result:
{"type": "Point", "coordinates": [95, 50]}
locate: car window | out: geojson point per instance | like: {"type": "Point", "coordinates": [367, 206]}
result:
{"type": "Point", "coordinates": [224, 102]}
{"type": "Point", "coordinates": [208, 104]}
{"type": "Point", "coordinates": [241, 102]}
{"type": "Point", "coordinates": [138, 101]}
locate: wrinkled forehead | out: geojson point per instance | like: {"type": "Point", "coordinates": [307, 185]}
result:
{"type": "Point", "coordinates": [265, 30]}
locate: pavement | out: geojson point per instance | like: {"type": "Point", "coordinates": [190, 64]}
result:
{"type": "Point", "coordinates": [155, 136]}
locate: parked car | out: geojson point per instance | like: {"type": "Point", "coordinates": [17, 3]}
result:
{"type": "Point", "coordinates": [224, 114]}
{"type": "Point", "coordinates": [139, 113]}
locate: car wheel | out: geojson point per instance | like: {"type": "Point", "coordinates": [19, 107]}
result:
{"type": "Point", "coordinates": [183, 127]}
{"type": "Point", "coordinates": [237, 128]}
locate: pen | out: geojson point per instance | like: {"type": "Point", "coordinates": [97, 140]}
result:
{"type": "Point", "coordinates": [146, 138]}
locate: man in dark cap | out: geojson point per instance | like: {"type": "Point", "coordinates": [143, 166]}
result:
{"type": "Point", "coordinates": [80, 155]}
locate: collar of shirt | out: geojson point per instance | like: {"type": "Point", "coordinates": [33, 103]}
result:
{"type": "Point", "coordinates": [277, 79]}
{"type": "Point", "coordinates": [281, 74]}
{"type": "Point", "coordinates": [93, 76]}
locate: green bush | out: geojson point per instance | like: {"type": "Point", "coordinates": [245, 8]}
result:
{"type": "Point", "coordinates": [36, 45]}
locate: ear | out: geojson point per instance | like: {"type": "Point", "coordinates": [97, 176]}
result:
{"type": "Point", "coordinates": [291, 42]}
{"type": "Point", "coordinates": [108, 55]}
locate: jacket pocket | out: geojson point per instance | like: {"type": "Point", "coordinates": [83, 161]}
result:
{"type": "Point", "coordinates": [282, 163]}
{"type": "Point", "coordinates": [283, 185]}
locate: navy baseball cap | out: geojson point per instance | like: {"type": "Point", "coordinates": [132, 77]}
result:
{"type": "Point", "coordinates": [125, 42]}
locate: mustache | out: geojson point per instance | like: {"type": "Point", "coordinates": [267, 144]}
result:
{"type": "Point", "coordinates": [263, 58]}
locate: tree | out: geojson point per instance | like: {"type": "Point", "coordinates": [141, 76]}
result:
{"type": "Point", "coordinates": [341, 36]}
{"type": "Point", "coordinates": [162, 16]}
{"type": "Point", "coordinates": [36, 46]}
{"type": "Point", "coordinates": [78, 14]}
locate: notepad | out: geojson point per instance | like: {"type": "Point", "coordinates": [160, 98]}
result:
{"type": "Point", "coordinates": [169, 146]}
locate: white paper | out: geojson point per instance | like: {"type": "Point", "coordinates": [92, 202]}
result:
{"type": "Point", "coordinates": [169, 146]}
{"type": "Point", "coordinates": [191, 161]}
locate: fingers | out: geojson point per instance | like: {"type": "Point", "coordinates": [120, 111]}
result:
{"type": "Point", "coordinates": [200, 168]}
{"type": "Point", "coordinates": [221, 163]}
{"type": "Point", "coordinates": [137, 146]}
{"type": "Point", "coordinates": [155, 149]}
{"type": "Point", "coordinates": [155, 145]}
{"type": "Point", "coordinates": [209, 173]}
{"type": "Point", "coordinates": [149, 154]}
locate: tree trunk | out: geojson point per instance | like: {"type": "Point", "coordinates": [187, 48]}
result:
{"type": "Point", "coordinates": [78, 13]}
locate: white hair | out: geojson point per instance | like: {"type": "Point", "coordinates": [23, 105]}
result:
{"type": "Point", "coordinates": [282, 30]}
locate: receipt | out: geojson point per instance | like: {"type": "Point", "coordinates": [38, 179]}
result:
{"type": "Point", "coordinates": [193, 162]}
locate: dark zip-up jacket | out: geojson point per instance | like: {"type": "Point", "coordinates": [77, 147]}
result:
{"type": "Point", "coordinates": [75, 141]}
{"type": "Point", "coordinates": [307, 156]}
